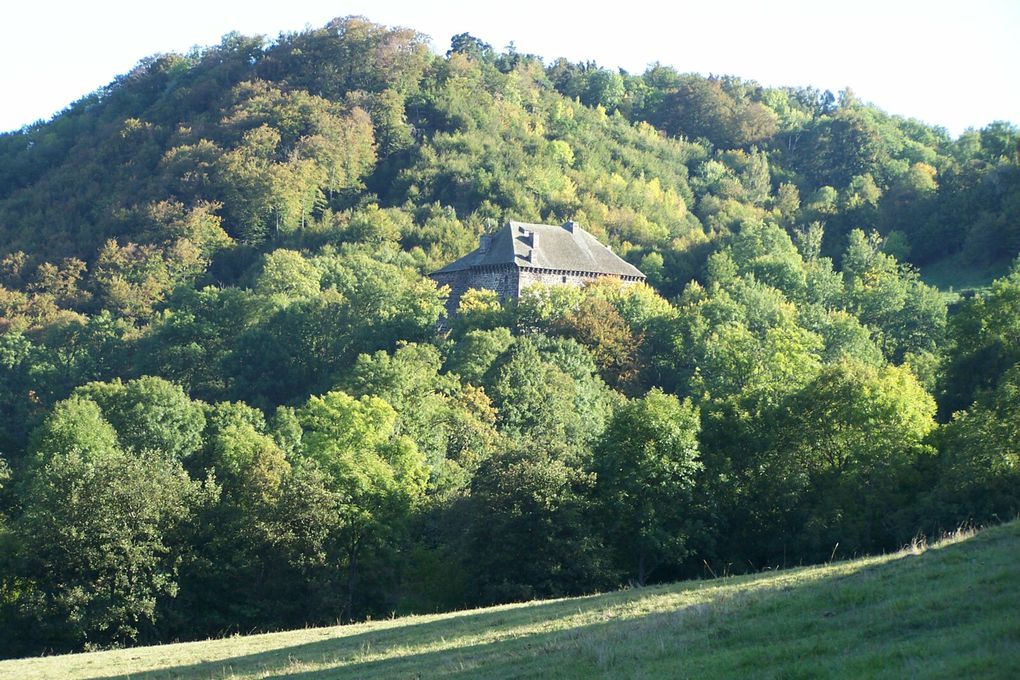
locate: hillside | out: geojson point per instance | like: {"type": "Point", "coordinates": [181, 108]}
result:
{"type": "Point", "coordinates": [950, 610]}
{"type": "Point", "coordinates": [233, 400]}
{"type": "Point", "coordinates": [268, 138]}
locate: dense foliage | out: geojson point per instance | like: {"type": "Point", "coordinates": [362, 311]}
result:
{"type": "Point", "coordinates": [225, 403]}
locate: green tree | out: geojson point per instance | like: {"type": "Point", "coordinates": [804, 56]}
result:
{"type": "Point", "coordinates": [984, 343]}
{"type": "Point", "coordinates": [475, 353]}
{"type": "Point", "coordinates": [377, 475]}
{"type": "Point", "coordinates": [94, 538]}
{"type": "Point", "coordinates": [149, 414]}
{"type": "Point", "coordinates": [645, 467]}
{"type": "Point", "coordinates": [701, 107]}
{"type": "Point", "coordinates": [193, 342]}
{"type": "Point", "coordinates": [288, 274]}
{"type": "Point", "coordinates": [548, 395]}
{"type": "Point", "coordinates": [605, 89]}
{"type": "Point", "coordinates": [850, 443]}
{"type": "Point", "coordinates": [246, 461]}
{"type": "Point", "coordinates": [979, 452]}
{"type": "Point", "coordinates": [452, 427]}
{"type": "Point", "coordinates": [349, 53]}
{"type": "Point", "coordinates": [467, 44]}
{"type": "Point", "coordinates": [907, 314]}
{"type": "Point", "coordinates": [233, 578]}
{"type": "Point", "coordinates": [529, 530]}
{"type": "Point", "coordinates": [479, 309]}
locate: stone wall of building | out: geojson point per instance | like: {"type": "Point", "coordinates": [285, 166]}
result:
{"type": "Point", "coordinates": [508, 281]}
{"type": "Point", "coordinates": [503, 280]}
{"type": "Point", "coordinates": [551, 277]}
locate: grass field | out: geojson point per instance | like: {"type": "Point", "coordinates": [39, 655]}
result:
{"type": "Point", "coordinates": [955, 275]}
{"type": "Point", "coordinates": [951, 610]}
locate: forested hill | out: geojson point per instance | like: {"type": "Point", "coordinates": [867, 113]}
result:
{"type": "Point", "coordinates": [267, 140]}
{"type": "Point", "coordinates": [225, 404]}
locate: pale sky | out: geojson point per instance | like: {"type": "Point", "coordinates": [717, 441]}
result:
{"type": "Point", "coordinates": [954, 64]}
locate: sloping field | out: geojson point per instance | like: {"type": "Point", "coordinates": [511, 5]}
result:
{"type": "Point", "coordinates": [955, 274]}
{"type": "Point", "coordinates": [951, 610]}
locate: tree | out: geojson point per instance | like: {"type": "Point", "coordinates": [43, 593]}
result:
{"type": "Point", "coordinates": [741, 338]}
{"type": "Point", "coordinates": [848, 445]}
{"type": "Point", "coordinates": [300, 347]}
{"type": "Point", "coordinates": [131, 280]}
{"type": "Point", "coordinates": [597, 325]}
{"type": "Point", "coordinates": [93, 541]}
{"type": "Point", "coordinates": [1000, 139]}
{"type": "Point", "coordinates": [984, 343]}
{"type": "Point", "coordinates": [548, 395]}
{"type": "Point", "coordinates": [261, 196]}
{"type": "Point", "coordinates": [842, 146]}
{"type": "Point", "coordinates": [467, 44]}
{"type": "Point", "coordinates": [233, 578]}
{"type": "Point", "coordinates": [349, 53]}
{"type": "Point", "coordinates": [149, 414]}
{"type": "Point", "coordinates": [451, 426]}
{"type": "Point", "coordinates": [75, 425]}
{"type": "Point", "coordinates": [479, 309]}
{"type": "Point", "coordinates": [645, 466]}
{"type": "Point", "coordinates": [979, 459]}
{"type": "Point", "coordinates": [246, 461]}
{"type": "Point", "coordinates": [288, 274]}
{"type": "Point", "coordinates": [530, 530]}
{"type": "Point", "coordinates": [377, 476]}
{"type": "Point", "coordinates": [191, 345]}
{"type": "Point", "coordinates": [907, 314]}
{"type": "Point", "coordinates": [605, 89]}
{"type": "Point", "coordinates": [388, 300]}
{"type": "Point", "coordinates": [701, 107]}
{"type": "Point", "coordinates": [476, 352]}
{"type": "Point", "coordinates": [767, 251]}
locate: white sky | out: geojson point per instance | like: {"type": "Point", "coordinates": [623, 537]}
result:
{"type": "Point", "coordinates": [955, 64]}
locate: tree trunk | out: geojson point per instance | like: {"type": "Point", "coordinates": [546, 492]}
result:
{"type": "Point", "coordinates": [352, 578]}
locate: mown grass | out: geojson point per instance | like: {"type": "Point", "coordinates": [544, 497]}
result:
{"type": "Point", "coordinates": [951, 610]}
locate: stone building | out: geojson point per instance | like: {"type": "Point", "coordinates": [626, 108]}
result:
{"type": "Point", "coordinates": [519, 255]}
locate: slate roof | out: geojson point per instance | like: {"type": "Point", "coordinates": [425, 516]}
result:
{"type": "Point", "coordinates": [565, 247]}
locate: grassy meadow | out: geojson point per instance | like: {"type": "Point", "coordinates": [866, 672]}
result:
{"type": "Point", "coordinates": [957, 275]}
{"type": "Point", "coordinates": [949, 610]}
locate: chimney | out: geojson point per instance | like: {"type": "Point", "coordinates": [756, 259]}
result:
{"type": "Point", "coordinates": [529, 238]}
{"type": "Point", "coordinates": [484, 242]}
{"type": "Point", "coordinates": [570, 225]}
